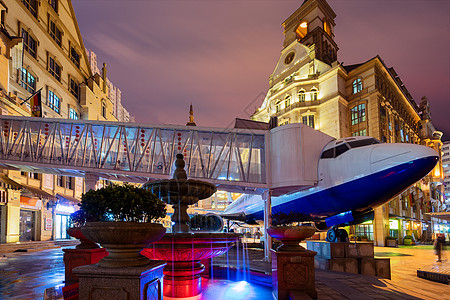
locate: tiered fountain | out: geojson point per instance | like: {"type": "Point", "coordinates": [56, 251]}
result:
{"type": "Point", "coordinates": [182, 249]}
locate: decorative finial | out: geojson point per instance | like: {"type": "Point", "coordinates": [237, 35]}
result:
{"type": "Point", "coordinates": [179, 173]}
{"type": "Point", "coordinates": [191, 117]}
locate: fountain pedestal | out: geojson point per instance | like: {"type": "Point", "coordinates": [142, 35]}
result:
{"type": "Point", "coordinates": [293, 271]}
{"type": "Point", "coordinates": [134, 283]}
{"type": "Point", "coordinates": [79, 257]}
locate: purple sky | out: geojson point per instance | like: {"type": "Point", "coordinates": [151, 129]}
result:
{"type": "Point", "coordinates": [218, 54]}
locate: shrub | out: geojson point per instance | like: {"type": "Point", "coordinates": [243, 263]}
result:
{"type": "Point", "coordinates": [116, 203]}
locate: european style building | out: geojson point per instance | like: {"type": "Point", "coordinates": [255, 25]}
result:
{"type": "Point", "coordinates": [310, 86]}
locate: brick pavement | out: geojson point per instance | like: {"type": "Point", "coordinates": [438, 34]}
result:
{"type": "Point", "coordinates": [27, 275]}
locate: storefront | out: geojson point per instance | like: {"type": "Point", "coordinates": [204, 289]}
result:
{"type": "Point", "coordinates": [28, 223]}
{"type": "Point", "coordinates": [64, 207]}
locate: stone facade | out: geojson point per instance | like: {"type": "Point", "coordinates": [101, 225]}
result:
{"type": "Point", "coordinates": [41, 48]}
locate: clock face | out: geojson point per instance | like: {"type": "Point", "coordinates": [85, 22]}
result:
{"type": "Point", "coordinates": [289, 58]}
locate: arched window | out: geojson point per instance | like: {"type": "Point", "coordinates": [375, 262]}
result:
{"type": "Point", "coordinates": [357, 86]}
{"type": "Point", "coordinates": [104, 110]}
{"type": "Point", "coordinates": [326, 27]}
{"type": "Point", "coordinates": [278, 106]}
{"type": "Point", "coordinates": [302, 30]}
{"type": "Point", "coordinates": [301, 96]}
{"type": "Point", "coordinates": [287, 101]}
{"type": "Point", "coordinates": [314, 93]}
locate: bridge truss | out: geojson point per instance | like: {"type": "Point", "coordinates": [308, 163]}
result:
{"type": "Point", "coordinates": [234, 159]}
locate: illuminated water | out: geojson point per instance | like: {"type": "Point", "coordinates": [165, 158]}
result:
{"type": "Point", "coordinates": [221, 289]}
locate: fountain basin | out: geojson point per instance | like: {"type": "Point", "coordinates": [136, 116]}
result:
{"type": "Point", "coordinates": [183, 253]}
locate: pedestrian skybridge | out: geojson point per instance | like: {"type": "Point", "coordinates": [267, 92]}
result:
{"type": "Point", "coordinates": [233, 159]}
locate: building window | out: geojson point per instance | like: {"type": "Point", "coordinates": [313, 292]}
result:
{"type": "Point", "coordinates": [55, 33]}
{"type": "Point", "coordinates": [32, 6]}
{"type": "Point", "coordinates": [287, 101]}
{"type": "Point", "coordinates": [358, 113]}
{"type": "Point", "coordinates": [104, 110]}
{"type": "Point", "coordinates": [54, 4]}
{"type": "Point", "coordinates": [73, 114]}
{"type": "Point", "coordinates": [365, 230]}
{"type": "Point", "coordinates": [302, 30]}
{"type": "Point", "coordinates": [308, 120]}
{"type": "Point", "coordinates": [279, 106]}
{"type": "Point", "coordinates": [54, 68]}
{"type": "Point", "coordinates": [54, 102]}
{"type": "Point", "coordinates": [29, 43]}
{"type": "Point", "coordinates": [69, 184]}
{"type": "Point", "coordinates": [75, 57]}
{"type": "Point", "coordinates": [314, 94]}
{"type": "Point", "coordinates": [301, 96]}
{"type": "Point", "coordinates": [360, 133]}
{"type": "Point", "coordinates": [27, 81]}
{"type": "Point", "coordinates": [33, 175]}
{"type": "Point", "coordinates": [74, 88]}
{"type": "Point", "coordinates": [357, 86]}
{"type": "Point", "coordinates": [60, 181]}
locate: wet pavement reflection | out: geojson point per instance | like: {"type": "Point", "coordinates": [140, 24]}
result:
{"type": "Point", "coordinates": [27, 275]}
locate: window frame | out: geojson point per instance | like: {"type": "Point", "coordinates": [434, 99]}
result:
{"type": "Point", "coordinates": [54, 4]}
{"type": "Point", "coordinates": [301, 96]}
{"type": "Point", "coordinates": [55, 32]}
{"type": "Point", "coordinates": [54, 68]}
{"type": "Point", "coordinates": [75, 59]}
{"type": "Point", "coordinates": [73, 114]}
{"type": "Point", "coordinates": [25, 83]}
{"type": "Point", "coordinates": [104, 109]}
{"type": "Point", "coordinates": [314, 94]}
{"type": "Point", "coordinates": [33, 9]}
{"type": "Point", "coordinates": [358, 114]}
{"type": "Point", "coordinates": [54, 102]}
{"type": "Point", "coordinates": [29, 43]}
{"type": "Point", "coordinates": [357, 86]}
{"type": "Point", "coordinates": [74, 88]}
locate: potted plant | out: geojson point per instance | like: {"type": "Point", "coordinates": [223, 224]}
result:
{"type": "Point", "coordinates": [290, 229]}
{"type": "Point", "coordinates": [119, 217]}
{"type": "Point", "coordinates": [391, 241]}
{"type": "Point", "coordinates": [76, 221]}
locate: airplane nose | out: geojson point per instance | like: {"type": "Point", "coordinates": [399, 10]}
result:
{"type": "Point", "coordinates": [385, 156]}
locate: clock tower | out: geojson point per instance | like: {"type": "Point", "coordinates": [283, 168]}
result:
{"type": "Point", "coordinates": [313, 25]}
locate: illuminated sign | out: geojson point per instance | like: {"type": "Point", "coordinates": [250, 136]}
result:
{"type": "Point", "coordinates": [393, 224]}
{"type": "Point", "coordinates": [64, 208]}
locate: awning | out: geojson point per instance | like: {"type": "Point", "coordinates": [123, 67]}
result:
{"type": "Point", "coordinates": [395, 216]}
{"type": "Point", "coordinates": [445, 215]}
{"type": "Point", "coordinates": [8, 183]}
{"type": "Point", "coordinates": [67, 198]}
{"type": "Point", "coordinates": [30, 191]}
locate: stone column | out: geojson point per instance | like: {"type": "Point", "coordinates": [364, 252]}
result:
{"type": "Point", "coordinates": [267, 197]}
{"type": "Point", "coordinates": [90, 181]}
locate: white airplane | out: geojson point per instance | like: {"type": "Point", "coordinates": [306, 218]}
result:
{"type": "Point", "coordinates": [356, 174]}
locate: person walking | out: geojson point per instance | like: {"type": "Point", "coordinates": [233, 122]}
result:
{"type": "Point", "coordinates": [438, 246]}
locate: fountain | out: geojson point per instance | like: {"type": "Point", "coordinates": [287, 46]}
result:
{"type": "Point", "coordinates": [182, 249]}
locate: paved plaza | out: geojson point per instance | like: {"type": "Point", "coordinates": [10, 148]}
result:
{"type": "Point", "coordinates": [28, 275]}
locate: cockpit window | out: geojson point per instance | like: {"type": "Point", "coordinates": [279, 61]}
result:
{"type": "Point", "coordinates": [328, 153]}
{"type": "Point", "coordinates": [362, 143]}
{"type": "Point", "coordinates": [341, 149]}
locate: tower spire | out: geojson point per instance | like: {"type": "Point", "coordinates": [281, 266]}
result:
{"type": "Point", "coordinates": [191, 117]}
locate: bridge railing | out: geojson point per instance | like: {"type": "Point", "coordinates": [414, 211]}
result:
{"type": "Point", "coordinates": [210, 153]}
